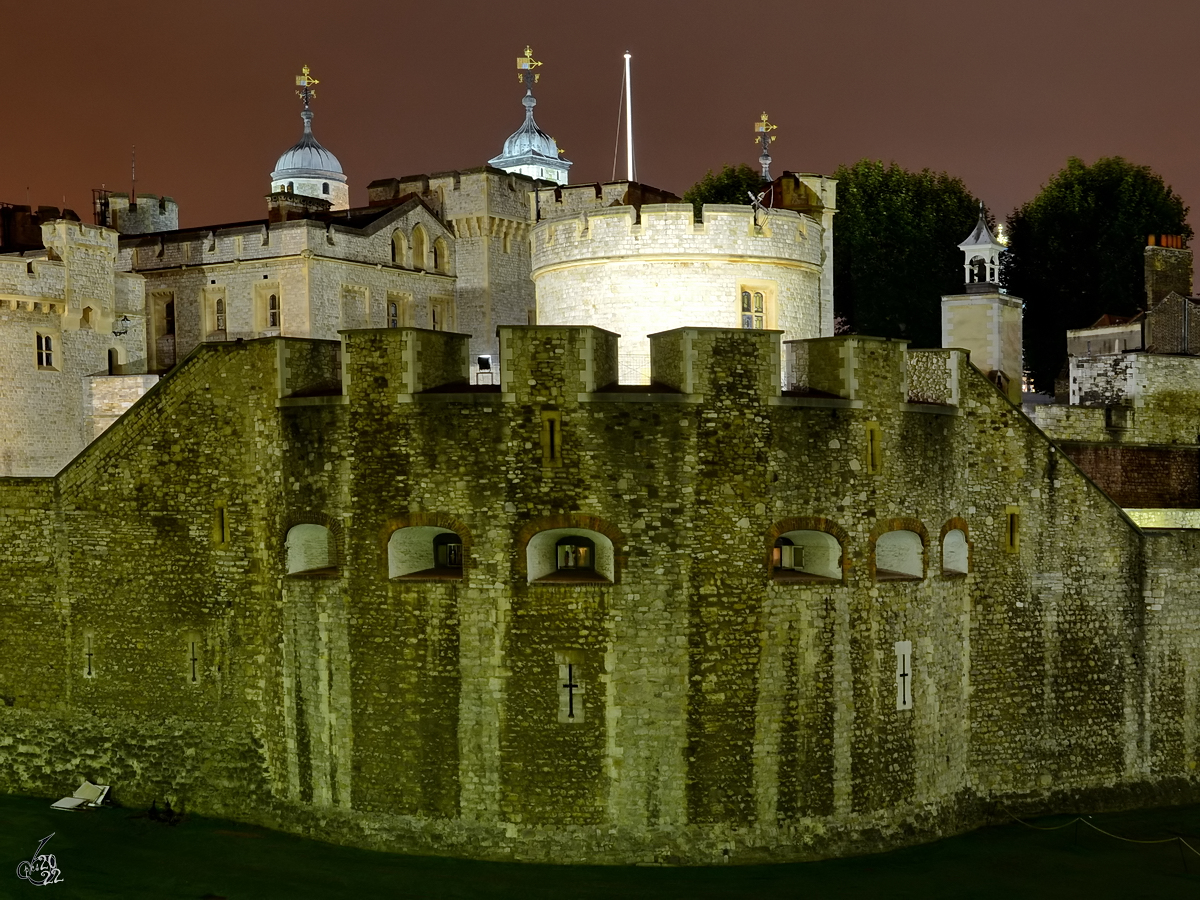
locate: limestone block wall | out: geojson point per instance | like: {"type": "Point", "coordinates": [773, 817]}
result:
{"type": "Point", "coordinates": [1131, 398]}
{"type": "Point", "coordinates": [108, 397]}
{"type": "Point", "coordinates": [327, 278]}
{"type": "Point", "coordinates": [728, 711]}
{"type": "Point", "coordinates": [488, 211]}
{"type": "Point", "coordinates": [71, 299]}
{"type": "Point", "coordinates": [637, 275]}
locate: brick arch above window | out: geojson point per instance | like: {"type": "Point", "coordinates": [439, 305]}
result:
{"type": "Point", "coordinates": [807, 523]}
{"type": "Point", "coordinates": [568, 520]}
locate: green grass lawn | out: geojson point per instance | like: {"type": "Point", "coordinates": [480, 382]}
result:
{"type": "Point", "coordinates": [108, 853]}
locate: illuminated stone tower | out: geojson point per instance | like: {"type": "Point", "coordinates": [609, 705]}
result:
{"type": "Point", "coordinates": [984, 319]}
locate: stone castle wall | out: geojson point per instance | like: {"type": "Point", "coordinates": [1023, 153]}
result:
{"type": "Point", "coordinates": [488, 211]}
{"type": "Point", "coordinates": [326, 277]}
{"type": "Point", "coordinates": [726, 713]}
{"type": "Point", "coordinates": [639, 272]}
{"type": "Point", "coordinates": [72, 299]}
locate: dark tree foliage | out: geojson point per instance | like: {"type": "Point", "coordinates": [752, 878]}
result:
{"type": "Point", "coordinates": [732, 184]}
{"type": "Point", "coordinates": [1076, 252]}
{"type": "Point", "coordinates": [895, 248]}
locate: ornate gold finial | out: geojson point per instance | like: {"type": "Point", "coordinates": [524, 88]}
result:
{"type": "Point", "coordinates": [306, 83]}
{"type": "Point", "coordinates": [763, 129]}
{"type": "Point", "coordinates": [525, 66]}
{"type": "Point", "coordinates": [763, 137]}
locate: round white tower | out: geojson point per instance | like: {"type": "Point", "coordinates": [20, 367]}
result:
{"type": "Point", "coordinates": [308, 168]}
{"type": "Point", "coordinates": [640, 271]}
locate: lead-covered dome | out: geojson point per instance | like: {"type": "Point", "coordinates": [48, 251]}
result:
{"type": "Point", "coordinates": [531, 151]}
{"type": "Point", "coordinates": [309, 169]}
{"type": "Point", "coordinates": [307, 158]}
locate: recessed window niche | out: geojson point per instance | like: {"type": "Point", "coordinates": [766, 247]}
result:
{"type": "Point", "coordinates": [570, 556]}
{"type": "Point", "coordinates": [899, 556]}
{"type": "Point", "coordinates": [806, 556]}
{"type": "Point", "coordinates": [425, 553]}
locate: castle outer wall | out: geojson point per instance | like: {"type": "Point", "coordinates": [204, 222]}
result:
{"type": "Point", "coordinates": [151, 637]}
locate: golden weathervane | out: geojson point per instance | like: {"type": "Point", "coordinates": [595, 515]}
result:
{"type": "Point", "coordinates": [763, 129]}
{"type": "Point", "coordinates": [525, 66]}
{"type": "Point", "coordinates": [306, 83]}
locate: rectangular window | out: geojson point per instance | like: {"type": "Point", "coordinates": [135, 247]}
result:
{"type": "Point", "coordinates": [755, 307]}
{"type": "Point", "coordinates": [441, 313]}
{"type": "Point", "coordinates": [874, 449]}
{"type": "Point", "coordinates": [192, 646]}
{"type": "Point", "coordinates": [45, 351]}
{"type": "Point", "coordinates": [221, 526]}
{"type": "Point", "coordinates": [551, 438]}
{"type": "Point", "coordinates": [1012, 530]}
{"type": "Point", "coordinates": [904, 698]}
{"type": "Point", "coordinates": [89, 656]}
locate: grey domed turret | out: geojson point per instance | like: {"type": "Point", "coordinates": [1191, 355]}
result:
{"type": "Point", "coordinates": [308, 168]}
{"type": "Point", "coordinates": [529, 150]}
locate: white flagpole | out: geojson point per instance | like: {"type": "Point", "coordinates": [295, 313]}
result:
{"type": "Point", "coordinates": [628, 120]}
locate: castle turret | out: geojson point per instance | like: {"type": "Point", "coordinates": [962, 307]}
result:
{"type": "Point", "coordinates": [529, 150]}
{"type": "Point", "coordinates": [985, 320]}
{"type": "Point", "coordinates": [308, 168]}
{"type": "Point", "coordinates": [601, 256]}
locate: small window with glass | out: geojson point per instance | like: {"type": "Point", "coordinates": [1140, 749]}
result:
{"type": "Point", "coordinates": [45, 351]}
{"type": "Point", "coordinates": [754, 310]}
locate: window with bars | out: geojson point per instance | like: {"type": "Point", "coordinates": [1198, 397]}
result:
{"type": "Point", "coordinates": [393, 315]}
{"type": "Point", "coordinates": [273, 311]}
{"type": "Point", "coordinates": [220, 314]}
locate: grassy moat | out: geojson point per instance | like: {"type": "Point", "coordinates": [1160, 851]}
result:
{"type": "Point", "coordinates": [112, 853]}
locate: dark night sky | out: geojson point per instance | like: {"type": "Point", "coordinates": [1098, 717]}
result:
{"type": "Point", "coordinates": [998, 94]}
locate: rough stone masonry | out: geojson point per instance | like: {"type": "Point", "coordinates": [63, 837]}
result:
{"type": "Point", "coordinates": [817, 622]}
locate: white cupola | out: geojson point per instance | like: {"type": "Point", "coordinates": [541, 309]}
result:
{"type": "Point", "coordinates": [981, 254]}
{"type": "Point", "coordinates": [308, 168]}
{"type": "Point", "coordinates": [529, 150]}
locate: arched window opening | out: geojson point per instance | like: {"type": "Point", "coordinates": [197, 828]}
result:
{"type": "Point", "coordinates": [754, 309]}
{"type": "Point", "coordinates": [440, 263]}
{"type": "Point", "coordinates": [419, 249]}
{"type": "Point", "coordinates": [114, 361]}
{"type": "Point", "coordinates": [393, 315]}
{"type": "Point", "coordinates": [955, 555]}
{"type": "Point", "coordinates": [978, 270]}
{"type": "Point", "coordinates": [899, 556]}
{"type": "Point", "coordinates": [290, 188]}
{"type": "Point", "coordinates": [570, 556]}
{"type": "Point", "coordinates": [425, 553]}
{"type": "Point", "coordinates": [273, 311]}
{"type": "Point", "coordinates": [324, 187]}
{"type": "Point", "coordinates": [220, 314]}
{"type": "Point", "coordinates": [399, 242]}
{"type": "Point", "coordinates": [806, 556]}
{"type": "Point", "coordinates": [310, 551]}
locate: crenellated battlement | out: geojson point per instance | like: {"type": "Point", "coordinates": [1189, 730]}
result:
{"type": "Point", "coordinates": [568, 364]}
{"type": "Point", "coordinates": [725, 232]}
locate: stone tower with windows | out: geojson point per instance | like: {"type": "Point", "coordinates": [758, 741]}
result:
{"type": "Point", "coordinates": [984, 319]}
